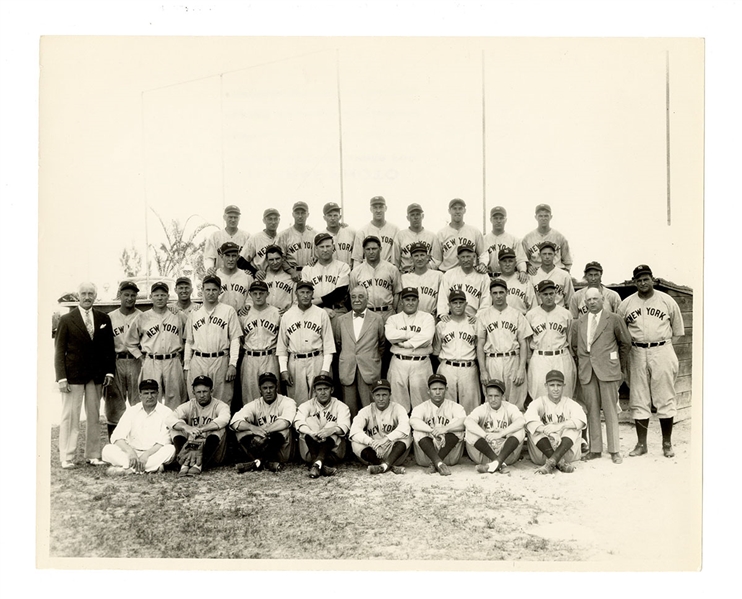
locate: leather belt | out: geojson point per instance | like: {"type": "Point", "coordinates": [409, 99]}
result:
{"type": "Point", "coordinates": [216, 354]}
{"type": "Point", "coordinates": [124, 355]}
{"type": "Point", "coordinates": [380, 309]}
{"type": "Point", "coordinates": [257, 354]}
{"type": "Point", "coordinates": [311, 354]}
{"type": "Point", "coordinates": [645, 345]}
{"type": "Point", "coordinates": [556, 352]}
{"type": "Point", "coordinates": [413, 358]}
{"type": "Point", "coordinates": [163, 356]}
{"type": "Point", "coordinates": [503, 354]}
{"type": "Point", "coordinates": [464, 364]}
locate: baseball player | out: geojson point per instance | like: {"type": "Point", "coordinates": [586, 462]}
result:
{"type": "Point", "coordinates": [322, 423]}
{"type": "Point", "coordinates": [305, 344]}
{"type": "Point", "coordinates": [495, 431]}
{"type": "Point", "coordinates": [183, 305]}
{"type": "Point", "coordinates": [297, 241]}
{"type": "Point", "coordinates": [548, 271]}
{"type": "Point", "coordinates": [423, 278]}
{"type": "Point", "coordinates": [263, 428]}
{"type": "Point", "coordinates": [126, 378]}
{"type": "Point", "coordinates": [502, 345]}
{"type": "Point", "coordinates": [553, 424]}
{"type": "Point", "coordinates": [653, 319]}
{"type": "Point", "coordinates": [231, 233]}
{"type": "Point", "coordinates": [593, 276]}
{"type": "Point", "coordinates": [379, 277]}
{"type": "Point", "coordinates": [329, 277]}
{"type": "Point", "coordinates": [415, 235]}
{"type": "Point", "coordinates": [235, 282]}
{"type": "Point", "coordinates": [458, 233]}
{"type": "Point", "coordinates": [438, 429]}
{"type": "Point", "coordinates": [468, 279]}
{"type": "Point", "coordinates": [141, 441]}
{"type": "Point", "coordinates": [380, 433]}
{"type": "Point", "coordinates": [533, 241]}
{"type": "Point", "coordinates": [498, 240]}
{"type": "Point", "coordinates": [252, 256]}
{"type": "Point", "coordinates": [455, 344]}
{"type": "Point", "coordinates": [411, 334]}
{"type": "Point", "coordinates": [342, 235]}
{"type": "Point", "coordinates": [203, 417]}
{"type": "Point", "coordinates": [551, 326]}
{"type": "Point", "coordinates": [213, 341]}
{"type": "Point", "coordinates": [155, 337]}
{"type": "Point", "coordinates": [280, 284]}
{"type": "Point", "coordinates": [521, 294]}
{"type": "Point", "coordinates": [378, 228]}
{"type": "Point", "coordinates": [260, 337]}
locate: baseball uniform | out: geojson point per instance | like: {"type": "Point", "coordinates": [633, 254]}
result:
{"type": "Point", "coordinates": [475, 285]}
{"type": "Point", "coordinates": [532, 246]}
{"type": "Point", "coordinates": [193, 413]}
{"type": "Point", "coordinates": [260, 414]}
{"type": "Point", "coordinates": [403, 242]}
{"type": "Point", "coordinates": [372, 423]}
{"type": "Point", "coordinates": [280, 289]}
{"type": "Point", "coordinates": [455, 344]}
{"type": "Point", "coordinates": [212, 259]}
{"type": "Point", "coordinates": [382, 284]}
{"type": "Point", "coordinates": [450, 239]}
{"type": "Point", "coordinates": [234, 288]}
{"type": "Point", "coordinates": [494, 243]}
{"type": "Point", "coordinates": [437, 416]}
{"type": "Point", "coordinates": [298, 246]}
{"type": "Point", "coordinates": [326, 278]}
{"type": "Point", "coordinates": [543, 411]}
{"type": "Point", "coordinates": [126, 378]}
{"type": "Point", "coordinates": [260, 337]}
{"type": "Point", "coordinates": [562, 280]}
{"type": "Point", "coordinates": [427, 285]}
{"type": "Point", "coordinates": [521, 296]}
{"type": "Point", "coordinates": [254, 250]}
{"type": "Point", "coordinates": [312, 416]}
{"type": "Point", "coordinates": [491, 421]}
{"type": "Point", "coordinates": [386, 235]}
{"type": "Point", "coordinates": [343, 239]}
{"type": "Point", "coordinates": [577, 306]}
{"type": "Point", "coordinates": [550, 342]}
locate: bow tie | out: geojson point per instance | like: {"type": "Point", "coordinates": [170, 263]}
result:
{"type": "Point", "coordinates": [356, 315]}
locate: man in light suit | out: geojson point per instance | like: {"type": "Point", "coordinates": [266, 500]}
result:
{"type": "Point", "coordinates": [601, 343]}
{"type": "Point", "coordinates": [84, 361]}
{"type": "Point", "coordinates": [360, 336]}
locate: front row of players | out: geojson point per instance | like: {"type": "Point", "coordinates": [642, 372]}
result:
{"type": "Point", "coordinates": [150, 436]}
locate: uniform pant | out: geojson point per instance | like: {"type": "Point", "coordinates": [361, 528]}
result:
{"type": "Point", "coordinates": [252, 368]}
{"type": "Point", "coordinates": [453, 457]}
{"type": "Point", "coordinates": [652, 373]}
{"type": "Point", "coordinates": [462, 385]}
{"type": "Point", "coordinates": [215, 447]}
{"type": "Point", "coordinates": [540, 365]}
{"type": "Point", "coordinates": [216, 370]}
{"type": "Point", "coordinates": [309, 448]}
{"type": "Point", "coordinates": [409, 381]}
{"type": "Point", "coordinates": [125, 386]}
{"type": "Point", "coordinates": [169, 375]}
{"type": "Point", "coordinates": [357, 395]}
{"type": "Point", "coordinates": [116, 456]}
{"type": "Point", "coordinates": [303, 371]}
{"type": "Point", "coordinates": [478, 457]}
{"type": "Point", "coordinates": [359, 447]}
{"type": "Point", "coordinates": [276, 447]}
{"type": "Point", "coordinates": [599, 394]}
{"type": "Point", "coordinates": [505, 368]}
{"type": "Point", "coordinates": [69, 426]}
{"type": "Point", "coordinates": [538, 458]}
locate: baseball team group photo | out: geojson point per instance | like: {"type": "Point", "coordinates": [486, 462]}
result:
{"type": "Point", "coordinates": [364, 356]}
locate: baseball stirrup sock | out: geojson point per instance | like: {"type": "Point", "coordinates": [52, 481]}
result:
{"type": "Point", "coordinates": [396, 453]}
{"type": "Point", "coordinates": [485, 449]}
{"type": "Point", "coordinates": [426, 444]}
{"type": "Point", "coordinates": [451, 442]}
{"type": "Point", "coordinates": [563, 448]}
{"type": "Point", "coordinates": [545, 446]}
{"type": "Point", "coordinates": [510, 445]}
{"type": "Point", "coordinates": [666, 426]}
{"type": "Point", "coordinates": [642, 426]}
{"type": "Point", "coordinates": [369, 455]}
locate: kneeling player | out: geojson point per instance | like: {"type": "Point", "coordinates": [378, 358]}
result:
{"type": "Point", "coordinates": [322, 424]}
{"type": "Point", "coordinates": [495, 431]}
{"type": "Point", "coordinates": [438, 428]}
{"type": "Point", "coordinates": [553, 423]}
{"type": "Point", "coordinates": [263, 427]}
{"type": "Point", "coordinates": [380, 433]}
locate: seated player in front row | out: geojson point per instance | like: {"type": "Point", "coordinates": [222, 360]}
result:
{"type": "Point", "coordinates": [380, 433]}
{"type": "Point", "coordinates": [438, 428]}
{"type": "Point", "coordinates": [263, 428]}
{"type": "Point", "coordinates": [141, 442]}
{"type": "Point", "coordinates": [322, 424]}
{"type": "Point", "coordinates": [495, 431]}
{"type": "Point", "coordinates": [203, 417]}
{"type": "Point", "coordinates": [553, 423]}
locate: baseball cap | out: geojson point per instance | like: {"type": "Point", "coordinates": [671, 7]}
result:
{"type": "Point", "coordinates": [229, 246]}
{"type": "Point", "coordinates": [498, 210]}
{"type": "Point", "coordinates": [128, 285]}
{"type": "Point", "coordinates": [498, 283]}
{"type": "Point", "coordinates": [232, 209]}
{"type": "Point", "coordinates": [437, 378]}
{"type": "Point", "coordinates": [641, 270]}
{"type": "Point", "coordinates": [149, 385]}
{"type": "Point", "coordinates": [419, 246]}
{"type": "Point", "coordinates": [323, 379]}
{"type": "Point", "coordinates": [465, 247]}
{"type": "Point", "coordinates": [409, 291]}
{"type": "Point", "coordinates": [182, 280]}
{"type": "Point", "coordinates": [414, 208]}
{"type": "Point", "coordinates": [377, 200]}
{"type": "Point", "coordinates": [329, 207]}
{"type": "Point", "coordinates": [159, 285]}
{"type": "Point", "coordinates": [259, 286]}
{"type": "Point", "coordinates": [269, 211]}
{"type": "Point", "coordinates": [304, 284]}
{"type": "Point", "coordinates": [381, 384]}
{"type": "Point", "coordinates": [542, 207]}
{"type": "Point", "coordinates": [267, 376]}
{"type": "Point", "coordinates": [593, 266]}
{"type": "Point", "coordinates": [506, 253]}
{"type": "Point", "coordinates": [495, 383]}
{"type": "Point", "coordinates": [212, 279]}
{"type": "Point", "coordinates": [547, 244]}
{"type": "Point", "coordinates": [554, 375]}
{"type": "Point", "coordinates": [320, 237]}
{"type": "Point", "coordinates": [273, 249]}
{"type": "Point", "coordinates": [371, 238]}
{"type": "Point", "coordinates": [300, 205]}
{"type": "Point", "coordinates": [547, 284]}
{"type": "Point", "coordinates": [456, 294]}
{"type": "Point", "coordinates": [455, 201]}
{"type": "Point", "coordinates": [203, 380]}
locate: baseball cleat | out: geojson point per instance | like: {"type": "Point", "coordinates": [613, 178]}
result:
{"type": "Point", "coordinates": [246, 467]}
{"type": "Point", "coordinates": [563, 466]}
{"type": "Point", "coordinates": [274, 466]}
{"type": "Point", "coordinates": [547, 468]}
{"type": "Point", "coordinates": [432, 469]}
{"type": "Point", "coordinates": [593, 455]}
{"type": "Point", "coordinates": [616, 457]}
{"type": "Point", "coordinates": [667, 450]}
{"type": "Point", "coordinates": [640, 449]}
{"type": "Point", "coordinates": [376, 469]}
{"type": "Point", "coordinates": [444, 469]}
{"type": "Point", "coordinates": [183, 471]}
{"type": "Point", "coordinates": [398, 469]}
{"type": "Point", "coordinates": [314, 472]}
{"type": "Point", "coordinates": [503, 469]}
{"type": "Point", "coordinates": [328, 470]}
{"type": "Point", "coordinates": [483, 468]}
{"type": "Point", "coordinates": [194, 471]}
{"type": "Point", "coordinates": [96, 462]}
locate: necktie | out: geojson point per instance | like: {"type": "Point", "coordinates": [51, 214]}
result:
{"type": "Point", "coordinates": [356, 315]}
{"type": "Point", "coordinates": [89, 324]}
{"type": "Point", "coordinates": [591, 333]}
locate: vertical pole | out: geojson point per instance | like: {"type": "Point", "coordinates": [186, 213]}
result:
{"type": "Point", "coordinates": [484, 156]}
{"type": "Point", "coordinates": [667, 131]}
{"type": "Point", "coordinates": [340, 134]}
{"type": "Point", "coordinates": [146, 202]}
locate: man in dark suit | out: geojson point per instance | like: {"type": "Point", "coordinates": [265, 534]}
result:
{"type": "Point", "coordinates": [84, 361]}
{"type": "Point", "coordinates": [360, 336]}
{"type": "Point", "coordinates": [601, 343]}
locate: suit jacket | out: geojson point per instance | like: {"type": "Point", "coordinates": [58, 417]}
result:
{"type": "Point", "coordinates": [364, 352]}
{"type": "Point", "coordinates": [608, 352]}
{"type": "Point", "coordinates": [77, 357]}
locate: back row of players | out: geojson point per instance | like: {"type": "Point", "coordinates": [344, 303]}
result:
{"type": "Point", "coordinates": [498, 312]}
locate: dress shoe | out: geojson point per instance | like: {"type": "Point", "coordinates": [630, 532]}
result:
{"type": "Point", "coordinates": [593, 455]}
{"type": "Point", "coordinates": [67, 465]}
{"type": "Point", "coordinates": [616, 457]}
{"type": "Point", "coordinates": [638, 450]}
{"type": "Point", "coordinates": [96, 462]}
{"type": "Point", "coordinates": [667, 450]}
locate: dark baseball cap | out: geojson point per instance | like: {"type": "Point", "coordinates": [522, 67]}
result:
{"type": "Point", "coordinates": [305, 284]}
{"type": "Point", "coordinates": [465, 247]}
{"type": "Point", "coordinates": [498, 210]}
{"type": "Point", "coordinates": [159, 285]}
{"type": "Point", "coordinates": [128, 285]}
{"type": "Point", "coordinates": [377, 200]}
{"type": "Point", "coordinates": [183, 281]}
{"type": "Point", "coordinates": [543, 207]}
{"type": "Point", "coordinates": [641, 270]}
{"type": "Point", "coordinates": [498, 283]}
{"type": "Point", "coordinates": [371, 238]}
{"type": "Point", "coordinates": [274, 249]}
{"type": "Point", "coordinates": [437, 378]}
{"type": "Point", "coordinates": [409, 291]}
{"type": "Point", "coordinates": [259, 286]}
{"type": "Point", "coordinates": [419, 246]}
{"type": "Point", "coordinates": [149, 385]}
{"type": "Point", "coordinates": [456, 294]}
{"type": "Point", "coordinates": [269, 211]}
{"type": "Point", "coordinates": [320, 237]}
{"type": "Point", "coordinates": [495, 383]}
{"type": "Point", "coordinates": [330, 207]}
{"type": "Point", "coordinates": [229, 246]}
{"type": "Point", "coordinates": [506, 253]}
{"type": "Point", "coordinates": [547, 284]}
{"type": "Point", "coordinates": [212, 279]}
{"type": "Point", "coordinates": [203, 380]}
{"type": "Point", "coordinates": [414, 208]}
{"type": "Point", "coordinates": [593, 266]}
{"type": "Point", "coordinates": [300, 205]}
{"type": "Point", "coordinates": [267, 376]}
{"type": "Point", "coordinates": [547, 244]}
{"type": "Point", "coordinates": [381, 384]}
{"type": "Point", "coordinates": [232, 209]}
{"type": "Point", "coordinates": [323, 379]}
{"type": "Point", "coordinates": [554, 375]}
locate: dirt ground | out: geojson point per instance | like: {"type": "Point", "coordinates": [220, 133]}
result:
{"type": "Point", "coordinates": [608, 516]}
